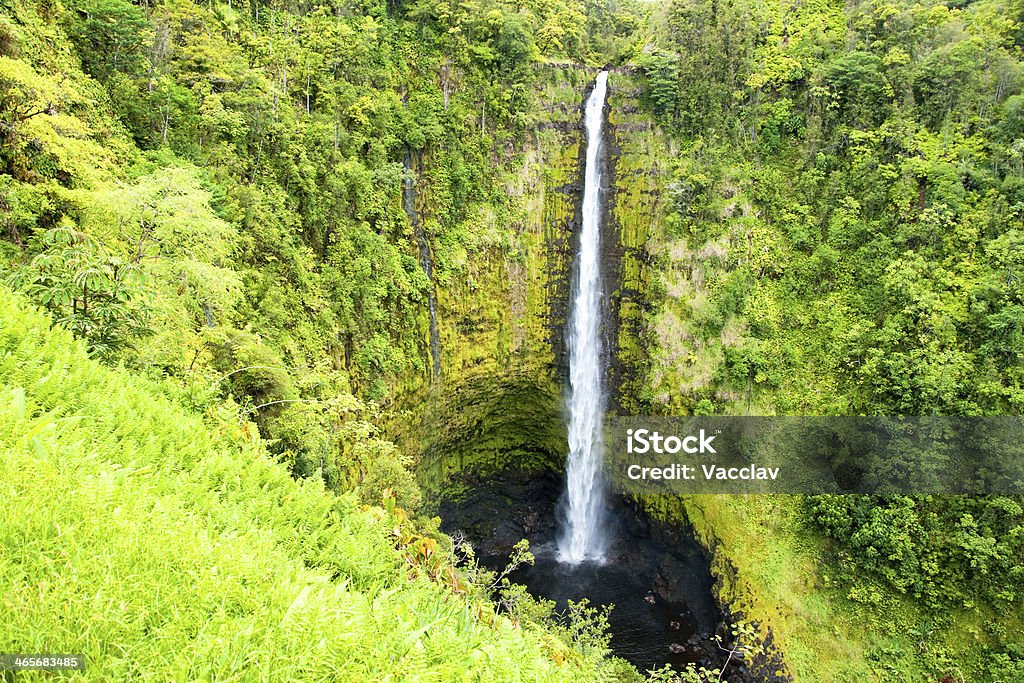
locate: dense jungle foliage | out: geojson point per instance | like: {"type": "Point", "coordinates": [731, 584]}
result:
{"type": "Point", "coordinates": [845, 237]}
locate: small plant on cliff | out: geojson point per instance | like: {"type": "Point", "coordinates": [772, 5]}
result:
{"type": "Point", "coordinates": [744, 646]}
{"type": "Point", "coordinates": [692, 674]}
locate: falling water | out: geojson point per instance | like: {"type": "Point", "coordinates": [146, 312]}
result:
{"type": "Point", "coordinates": [583, 536]}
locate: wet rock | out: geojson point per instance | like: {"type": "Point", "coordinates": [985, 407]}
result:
{"type": "Point", "coordinates": [532, 524]}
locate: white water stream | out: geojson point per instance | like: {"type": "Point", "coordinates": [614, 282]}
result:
{"type": "Point", "coordinates": [582, 536]}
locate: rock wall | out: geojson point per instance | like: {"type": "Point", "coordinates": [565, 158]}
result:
{"type": "Point", "coordinates": [637, 153]}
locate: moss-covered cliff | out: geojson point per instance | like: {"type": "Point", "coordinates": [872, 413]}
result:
{"type": "Point", "coordinates": [638, 154]}
{"type": "Point", "coordinates": [502, 330]}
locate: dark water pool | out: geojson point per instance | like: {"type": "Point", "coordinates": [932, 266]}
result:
{"type": "Point", "coordinates": [659, 584]}
{"type": "Point", "coordinates": [648, 629]}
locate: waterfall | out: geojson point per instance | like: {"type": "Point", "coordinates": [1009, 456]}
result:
{"type": "Point", "coordinates": [409, 192]}
{"type": "Point", "coordinates": [582, 535]}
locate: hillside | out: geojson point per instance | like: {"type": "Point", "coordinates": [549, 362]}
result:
{"type": "Point", "coordinates": [166, 545]}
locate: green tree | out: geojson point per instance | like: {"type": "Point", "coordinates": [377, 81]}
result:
{"type": "Point", "coordinates": [109, 35]}
{"type": "Point", "coordinates": [97, 296]}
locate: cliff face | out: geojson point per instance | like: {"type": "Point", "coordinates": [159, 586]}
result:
{"type": "Point", "coordinates": [498, 403]}
{"type": "Point", "coordinates": [638, 155]}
